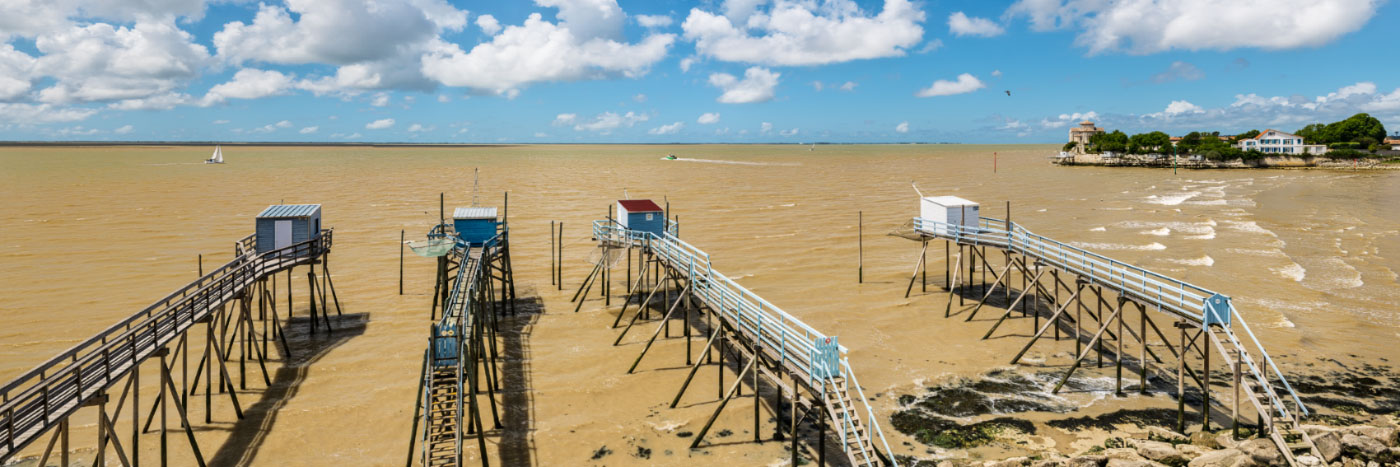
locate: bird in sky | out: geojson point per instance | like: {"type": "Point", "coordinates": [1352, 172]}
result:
{"type": "Point", "coordinates": [1008, 93]}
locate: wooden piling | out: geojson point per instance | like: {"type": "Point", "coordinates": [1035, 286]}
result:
{"type": "Point", "coordinates": [401, 246]}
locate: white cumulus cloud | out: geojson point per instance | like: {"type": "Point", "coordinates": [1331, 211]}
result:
{"type": "Point", "coordinates": [962, 25]}
{"type": "Point", "coordinates": [708, 118]}
{"type": "Point", "coordinates": [585, 44]}
{"type": "Point", "coordinates": [488, 24]}
{"type": "Point", "coordinates": [309, 130]}
{"type": "Point", "coordinates": [1149, 26]}
{"type": "Point", "coordinates": [902, 127]}
{"type": "Point", "coordinates": [380, 124]}
{"type": "Point", "coordinates": [124, 129]}
{"type": "Point", "coordinates": [757, 86]}
{"type": "Point", "coordinates": [654, 21]}
{"type": "Point", "coordinates": [670, 129]}
{"type": "Point", "coordinates": [792, 32]}
{"type": "Point", "coordinates": [249, 83]}
{"type": "Point", "coordinates": [965, 83]}
{"type": "Point", "coordinates": [601, 123]}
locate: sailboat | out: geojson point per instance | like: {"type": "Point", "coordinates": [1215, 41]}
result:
{"type": "Point", "coordinates": [217, 158]}
{"type": "Point", "coordinates": [813, 148]}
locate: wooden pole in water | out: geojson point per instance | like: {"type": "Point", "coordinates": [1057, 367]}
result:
{"type": "Point", "coordinates": [860, 247]}
{"type": "Point", "coordinates": [401, 240]}
{"type": "Point", "coordinates": [1181, 381]}
{"type": "Point", "coordinates": [551, 252]}
{"type": "Point", "coordinates": [1205, 382]}
{"type": "Point", "coordinates": [201, 265]}
{"type": "Point", "coordinates": [560, 272]}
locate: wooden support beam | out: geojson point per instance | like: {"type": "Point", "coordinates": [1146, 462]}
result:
{"type": "Point", "coordinates": [738, 381]}
{"type": "Point", "coordinates": [664, 320]}
{"type": "Point", "coordinates": [1009, 309]}
{"type": "Point", "coordinates": [714, 337]}
{"type": "Point", "coordinates": [1097, 335]}
{"type": "Point", "coordinates": [1053, 319]}
{"type": "Point", "coordinates": [996, 280]}
{"type": "Point", "coordinates": [641, 308]}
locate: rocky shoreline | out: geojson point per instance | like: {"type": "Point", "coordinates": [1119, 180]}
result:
{"type": "Point", "coordinates": [1273, 162]}
{"type": "Point", "coordinates": [1349, 446]}
{"type": "Point", "coordinates": [1006, 418]}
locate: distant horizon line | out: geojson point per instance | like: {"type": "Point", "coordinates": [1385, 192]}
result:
{"type": "Point", "coordinates": [396, 144]}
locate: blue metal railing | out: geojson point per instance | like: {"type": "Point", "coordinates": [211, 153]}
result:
{"type": "Point", "coordinates": [768, 325]}
{"type": "Point", "coordinates": [1168, 294]}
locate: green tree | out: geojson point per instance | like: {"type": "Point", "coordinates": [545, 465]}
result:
{"type": "Point", "coordinates": [1117, 141]}
{"type": "Point", "coordinates": [1069, 146]}
{"type": "Point", "coordinates": [1154, 141]}
{"type": "Point", "coordinates": [1361, 128]}
{"type": "Point", "coordinates": [1189, 142]}
{"type": "Point", "coordinates": [1250, 134]}
{"type": "Point", "coordinates": [1312, 134]}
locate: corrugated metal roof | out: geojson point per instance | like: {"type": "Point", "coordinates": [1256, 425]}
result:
{"type": "Point", "coordinates": [639, 205]}
{"type": "Point", "coordinates": [474, 213]}
{"type": "Point", "coordinates": [290, 210]}
{"type": "Point", "coordinates": [949, 201]}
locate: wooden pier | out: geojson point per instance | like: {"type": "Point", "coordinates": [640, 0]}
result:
{"type": "Point", "coordinates": [475, 285]}
{"type": "Point", "coordinates": [235, 303]}
{"type": "Point", "coordinates": [772, 349]}
{"type": "Point", "coordinates": [1088, 298]}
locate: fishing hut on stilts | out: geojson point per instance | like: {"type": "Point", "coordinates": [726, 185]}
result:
{"type": "Point", "coordinates": [805, 371]}
{"type": "Point", "coordinates": [236, 307]}
{"type": "Point", "coordinates": [473, 287]}
{"type": "Point", "coordinates": [1090, 299]}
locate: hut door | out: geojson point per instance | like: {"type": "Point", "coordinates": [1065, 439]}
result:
{"type": "Point", "coordinates": [283, 234]}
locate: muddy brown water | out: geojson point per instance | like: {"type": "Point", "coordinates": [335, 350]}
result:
{"type": "Point", "coordinates": [91, 235]}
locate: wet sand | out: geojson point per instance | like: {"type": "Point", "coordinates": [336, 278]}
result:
{"type": "Point", "coordinates": [94, 234]}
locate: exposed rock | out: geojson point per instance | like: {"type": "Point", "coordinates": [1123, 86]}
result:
{"type": "Point", "coordinates": [1309, 460]}
{"type": "Point", "coordinates": [1127, 454]}
{"type": "Point", "coordinates": [1087, 461]}
{"type": "Point", "coordinates": [1191, 451]}
{"type": "Point", "coordinates": [1012, 462]}
{"type": "Point", "coordinates": [1314, 430]}
{"type": "Point", "coordinates": [1329, 444]}
{"type": "Point", "coordinates": [1385, 435]}
{"type": "Point", "coordinates": [1227, 440]}
{"type": "Point", "coordinates": [1353, 462]}
{"type": "Point", "coordinates": [1158, 433]}
{"type": "Point", "coordinates": [1364, 445]}
{"type": "Point", "coordinates": [1221, 458]}
{"type": "Point", "coordinates": [1263, 451]}
{"type": "Point", "coordinates": [1129, 463]}
{"type": "Point", "coordinates": [945, 464]}
{"type": "Point", "coordinates": [1160, 452]}
{"type": "Point", "coordinates": [1205, 439]}
{"type": "Point", "coordinates": [1373, 464]}
{"type": "Point", "coordinates": [1050, 463]}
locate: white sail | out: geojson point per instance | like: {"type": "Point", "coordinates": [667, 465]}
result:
{"type": "Point", "coordinates": [219, 154]}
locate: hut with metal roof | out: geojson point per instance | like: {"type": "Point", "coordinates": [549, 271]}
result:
{"type": "Point", "coordinates": [283, 225]}
{"type": "Point", "coordinates": [641, 215]}
{"type": "Point", "coordinates": [475, 225]}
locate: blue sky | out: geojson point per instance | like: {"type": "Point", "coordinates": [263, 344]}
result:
{"type": "Point", "coordinates": [564, 71]}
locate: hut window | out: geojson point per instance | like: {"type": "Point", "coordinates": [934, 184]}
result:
{"type": "Point", "coordinates": [648, 216]}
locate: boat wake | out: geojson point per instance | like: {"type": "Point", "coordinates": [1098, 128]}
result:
{"type": "Point", "coordinates": [716, 161]}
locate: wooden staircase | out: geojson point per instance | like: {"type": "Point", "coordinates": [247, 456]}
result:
{"type": "Point", "coordinates": [1282, 426]}
{"type": "Point", "coordinates": [858, 445]}
{"type": "Point", "coordinates": [443, 443]}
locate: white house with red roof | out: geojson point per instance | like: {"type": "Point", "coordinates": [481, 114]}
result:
{"type": "Point", "coordinates": [1277, 142]}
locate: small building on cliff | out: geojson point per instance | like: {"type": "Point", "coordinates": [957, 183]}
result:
{"type": "Point", "coordinates": [1082, 133]}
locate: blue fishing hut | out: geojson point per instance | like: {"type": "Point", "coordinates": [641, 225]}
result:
{"type": "Point", "coordinates": [475, 225]}
{"type": "Point", "coordinates": [283, 225]}
{"type": "Point", "coordinates": [641, 215]}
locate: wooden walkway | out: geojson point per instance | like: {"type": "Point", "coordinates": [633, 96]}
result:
{"type": "Point", "coordinates": [46, 396]}
{"type": "Point", "coordinates": [1258, 383]}
{"type": "Point", "coordinates": [460, 362]}
{"type": "Point", "coordinates": [770, 342]}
